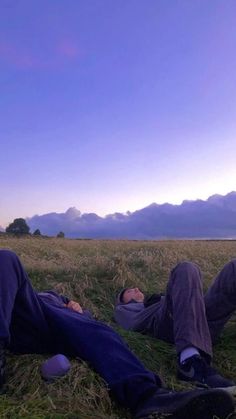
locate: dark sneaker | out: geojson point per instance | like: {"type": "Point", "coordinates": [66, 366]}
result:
{"type": "Point", "coordinates": [2, 367]}
{"type": "Point", "coordinates": [197, 371]}
{"type": "Point", "coordinates": [196, 404]}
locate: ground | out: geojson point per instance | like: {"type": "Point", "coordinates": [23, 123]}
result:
{"type": "Point", "coordinates": [91, 272]}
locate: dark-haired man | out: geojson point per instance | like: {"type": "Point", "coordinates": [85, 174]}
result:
{"type": "Point", "coordinates": [32, 322]}
{"type": "Point", "coordinates": [185, 317]}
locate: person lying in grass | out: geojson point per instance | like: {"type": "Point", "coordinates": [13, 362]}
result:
{"type": "Point", "coordinates": [186, 318]}
{"type": "Point", "coordinates": [46, 322]}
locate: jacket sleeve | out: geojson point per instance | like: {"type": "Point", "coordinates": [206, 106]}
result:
{"type": "Point", "coordinates": [138, 318]}
{"type": "Point", "coordinates": [128, 315]}
{"type": "Point", "coordinates": [86, 313]}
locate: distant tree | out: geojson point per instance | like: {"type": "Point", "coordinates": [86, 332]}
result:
{"type": "Point", "coordinates": [37, 232]}
{"type": "Point", "coordinates": [18, 227]}
{"type": "Point", "coordinates": [61, 235]}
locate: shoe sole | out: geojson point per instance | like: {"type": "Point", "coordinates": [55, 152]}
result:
{"type": "Point", "coordinates": [217, 404]}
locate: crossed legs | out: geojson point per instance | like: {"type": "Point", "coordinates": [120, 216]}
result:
{"type": "Point", "coordinates": [187, 317]}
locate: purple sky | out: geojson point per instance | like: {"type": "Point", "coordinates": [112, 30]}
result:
{"type": "Point", "coordinates": [112, 105]}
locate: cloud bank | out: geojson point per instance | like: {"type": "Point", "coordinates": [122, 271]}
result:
{"type": "Point", "coordinates": [213, 218]}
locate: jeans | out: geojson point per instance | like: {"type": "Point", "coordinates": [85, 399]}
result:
{"type": "Point", "coordinates": [28, 324]}
{"type": "Point", "coordinates": [188, 318]}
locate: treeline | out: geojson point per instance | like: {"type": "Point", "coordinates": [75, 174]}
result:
{"type": "Point", "coordinates": [19, 227]}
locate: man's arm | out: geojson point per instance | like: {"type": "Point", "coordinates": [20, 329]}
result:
{"type": "Point", "coordinates": [75, 306]}
{"type": "Point", "coordinates": [126, 315]}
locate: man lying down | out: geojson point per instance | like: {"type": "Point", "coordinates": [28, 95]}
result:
{"type": "Point", "coordinates": [32, 322]}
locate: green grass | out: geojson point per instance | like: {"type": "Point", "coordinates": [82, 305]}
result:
{"type": "Point", "coordinates": [91, 272]}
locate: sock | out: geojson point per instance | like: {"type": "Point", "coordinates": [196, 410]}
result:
{"type": "Point", "coordinates": [187, 353]}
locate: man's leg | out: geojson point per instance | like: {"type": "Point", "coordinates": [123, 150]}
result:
{"type": "Point", "coordinates": [183, 316]}
{"type": "Point", "coordinates": [100, 346]}
{"type": "Point", "coordinates": [77, 335]}
{"type": "Point", "coordinates": [184, 307]}
{"type": "Point", "coordinates": [220, 299]}
{"type": "Point", "coordinates": [130, 382]}
{"type": "Point", "coordinates": [22, 322]}
{"type": "Point", "coordinates": [28, 325]}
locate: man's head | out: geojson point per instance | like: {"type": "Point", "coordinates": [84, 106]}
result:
{"type": "Point", "coordinates": [131, 294]}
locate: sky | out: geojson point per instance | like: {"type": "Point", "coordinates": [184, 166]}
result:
{"type": "Point", "coordinates": [113, 105]}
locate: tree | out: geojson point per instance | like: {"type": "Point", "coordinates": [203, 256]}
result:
{"type": "Point", "coordinates": [37, 232]}
{"type": "Point", "coordinates": [61, 235]}
{"type": "Point", "coordinates": [18, 227]}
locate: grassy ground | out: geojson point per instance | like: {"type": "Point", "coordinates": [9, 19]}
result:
{"type": "Point", "coordinates": [91, 272]}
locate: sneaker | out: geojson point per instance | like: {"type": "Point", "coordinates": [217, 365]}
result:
{"type": "Point", "coordinates": [197, 371]}
{"type": "Point", "coordinates": [196, 404]}
{"type": "Point", "coordinates": [2, 367]}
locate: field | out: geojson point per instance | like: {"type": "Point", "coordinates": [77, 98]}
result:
{"type": "Point", "coordinates": [91, 272]}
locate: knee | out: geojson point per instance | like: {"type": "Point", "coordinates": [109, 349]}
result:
{"type": "Point", "coordinates": [233, 267]}
{"type": "Point", "coordinates": [187, 270]}
{"type": "Point", "coordinates": [230, 268]}
{"type": "Point", "coordinates": [233, 263]}
{"type": "Point", "coordinates": [7, 255]}
{"type": "Point", "coordinates": [187, 266]}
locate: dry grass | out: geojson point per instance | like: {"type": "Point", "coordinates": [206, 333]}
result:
{"type": "Point", "coordinates": [91, 272]}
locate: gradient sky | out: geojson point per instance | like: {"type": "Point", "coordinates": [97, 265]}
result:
{"type": "Point", "coordinates": [110, 105]}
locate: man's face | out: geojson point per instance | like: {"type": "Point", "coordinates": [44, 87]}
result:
{"type": "Point", "coordinates": [132, 294]}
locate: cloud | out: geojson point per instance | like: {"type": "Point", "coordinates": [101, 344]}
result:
{"type": "Point", "coordinates": [214, 218]}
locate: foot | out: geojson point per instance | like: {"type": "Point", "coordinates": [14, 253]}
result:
{"type": "Point", "coordinates": [2, 367]}
{"type": "Point", "coordinates": [197, 371]}
{"type": "Point", "coordinates": [196, 404]}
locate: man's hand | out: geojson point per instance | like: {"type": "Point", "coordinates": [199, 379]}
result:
{"type": "Point", "coordinates": [75, 306]}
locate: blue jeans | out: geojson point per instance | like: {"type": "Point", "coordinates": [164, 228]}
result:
{"type": "Point", "coordinates": [188, 318]}
{"type": "Point", "coordinates": [30, 325]}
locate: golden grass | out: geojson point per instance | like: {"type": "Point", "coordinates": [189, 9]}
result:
{"type": "Point", "coordinates": [91, 272]}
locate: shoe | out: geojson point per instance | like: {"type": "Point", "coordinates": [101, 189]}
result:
{"type": "Point", "coordinates": [197, 371]}
{"type": "Point", "coordinates": [2, 367]}
{"type": "Point", "coordinates": [196, 404]}
{"type": "Point", "coordinates": [55, 367]}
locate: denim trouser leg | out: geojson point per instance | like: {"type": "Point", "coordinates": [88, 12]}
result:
{"type": "Point", "coordinates": [22, 321]}
{"type": "Point", "coordinates": [187, 318]}
{"type": "Point", "coordinates": [25, 321]}
{"type": "Point", "coordinates": [183, 318]}
{"type": "Point", "coordinates": [220, 299]}
{"type": "Point", "coordinates": [98, 344]}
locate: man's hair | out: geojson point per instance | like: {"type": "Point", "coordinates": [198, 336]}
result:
{"type": "Point", "coordinates": [122, 294]}
{"type": "Point", "coordinates": [119, 298]}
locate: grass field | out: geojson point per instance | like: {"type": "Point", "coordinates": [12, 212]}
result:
{"type": "Point", "coordinates": [91, 272]}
